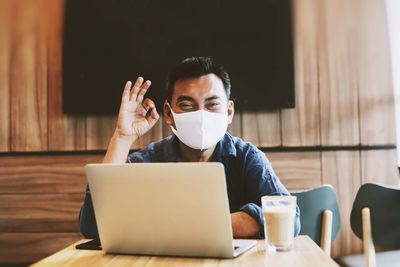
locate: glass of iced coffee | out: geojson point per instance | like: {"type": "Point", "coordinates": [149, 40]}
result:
{"type": "Point", "coordinates": [279, 216]}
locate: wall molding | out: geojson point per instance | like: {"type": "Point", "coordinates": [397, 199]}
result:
{"type": "Point", "coordinates": [263, 149]}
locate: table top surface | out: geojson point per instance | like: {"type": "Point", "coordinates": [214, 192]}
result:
{"type": "Point", "coordinates": [304, 253]}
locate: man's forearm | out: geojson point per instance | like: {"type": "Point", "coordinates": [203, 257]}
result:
{"type": "Point", "coordinates": [243, 225]}
{"type": "Point", "coordinates": [118, 149]}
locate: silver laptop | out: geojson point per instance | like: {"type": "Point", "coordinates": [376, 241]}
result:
{"type": "Point", "coordinates": [177, 209]}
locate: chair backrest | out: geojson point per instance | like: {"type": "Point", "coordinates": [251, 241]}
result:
{"type": "Point", "coordinates": [384, 204]}
{"type": "Point", "coordinates": [312, 204]}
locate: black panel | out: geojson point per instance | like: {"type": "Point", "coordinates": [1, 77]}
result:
{"type": "Point", "coordinates": [109, 42]}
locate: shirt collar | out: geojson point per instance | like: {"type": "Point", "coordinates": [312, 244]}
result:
{"type": "Point", "coordinates": [224, 148]}
{"type": "Point", "coordinates": [171, 151]}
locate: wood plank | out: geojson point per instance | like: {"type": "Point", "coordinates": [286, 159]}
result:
{"type": "Point", "coordinates": [65, 132]}
{"type": "Point", "coordinates": [40, 225]}
{"type": "Point", "coordinates": [28, 248]}
{"type": "Point", "coordinates": [337, 75]}
{"type": "Point", "coordinates": [301, 125]}
{"type": "Point", "coordinates": [235, 128]}
{"type": "Point", "coordinates": [6, 21]}
{"type": "Point", "coordinates": [40, 205]}
{"type": "Point", "coordinates": [40, 212]}
{"type": "Point", "coordinates": [262, 128]}
{"type": "Point", "coordinates": [99, 130]}
{"type": "Point", "coordinates": [376, 100]}
{"type": "Point", "coordinates": [44, 174]}
{"type": "Point", "coordinates": [304, 253]}
{"type": "Point", "coordinates": [29, 78]}
{"type": "Point", "coordinates": [379, 166]}
{"type": "Point", "coordinates": [297, 170]}
{"type": "Point", "coordinates": [341, 169]}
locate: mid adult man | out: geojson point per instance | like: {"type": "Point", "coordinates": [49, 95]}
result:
{"type": "Point", "coordinates": [198, 109]}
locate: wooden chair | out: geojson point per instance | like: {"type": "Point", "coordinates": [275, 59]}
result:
{"type": "Point", "coordinates": [375, 218]}
{"type": "Point", "coordinates": [319, 215]}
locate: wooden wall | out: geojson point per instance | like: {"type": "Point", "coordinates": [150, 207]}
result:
{"type": "Point", "coordinates": [344, 103]}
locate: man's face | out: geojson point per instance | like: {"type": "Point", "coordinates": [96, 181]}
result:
{"type": "Point", "coordinates": [205, 92]}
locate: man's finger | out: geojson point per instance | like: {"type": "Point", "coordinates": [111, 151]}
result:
{"type": "Point", "coordinates": [148, 103]}
{"type": "Point", "coordinates": [154, 113]}
{"type": "Point", "coordinates": [125, 94]}
{"type": "Point", "coordinates": [150, 107]}
{"type": "Point", "coordinates": [143, 91]}
{"type": "Point", "coordinates": [141, 110]}
{"type": "Point", "coordinates": [136, 88]}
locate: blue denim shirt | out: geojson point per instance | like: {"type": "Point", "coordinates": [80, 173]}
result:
{"type": "Point", "coordinates": [249, 176]}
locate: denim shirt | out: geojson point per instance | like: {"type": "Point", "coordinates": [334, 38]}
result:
{"type": "Point", "coordinates": [249, 176]}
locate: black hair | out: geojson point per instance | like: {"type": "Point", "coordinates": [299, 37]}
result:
{"type": "Point", "coordinates": [195, 67]}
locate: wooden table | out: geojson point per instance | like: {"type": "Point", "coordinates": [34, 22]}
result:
{"type": "Point", "coordinates": [305, 253]}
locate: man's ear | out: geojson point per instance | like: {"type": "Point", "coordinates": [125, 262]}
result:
{"type": "Point", "coordinates": [231, 111]}
{"type": "Point", "coordinates": [169, 119]}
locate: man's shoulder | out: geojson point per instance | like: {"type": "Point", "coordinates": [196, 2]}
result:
{"type": "Point", "coordinates": [241, 146]}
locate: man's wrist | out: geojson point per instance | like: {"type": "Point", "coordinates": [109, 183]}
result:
{"type": "Point", "coordinates": [118, 148]}
{"type": "Point", "coordinates": [124, 139]}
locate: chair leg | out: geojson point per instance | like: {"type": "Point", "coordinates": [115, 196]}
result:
{"type": "Point", "coordinates": [368, 244]}
{"type": "Point", "coordinates": [326, 234]}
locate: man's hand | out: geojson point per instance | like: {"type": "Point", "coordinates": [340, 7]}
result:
{"type": "Point", "coordinates": [243, 225]}
{"type": "Point", "coordinates": [136, 116]}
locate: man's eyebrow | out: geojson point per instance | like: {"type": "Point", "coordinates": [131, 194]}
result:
{"type": "Point", "coordinates": [189, 98]}
{"type": "Point", "coordinates": [184, 97]}
{"type": "Point", "coordinates": [212, 97]}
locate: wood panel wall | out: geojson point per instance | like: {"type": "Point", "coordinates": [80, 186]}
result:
{"type": "Point", "coordinates": [344, 97]}
{"type": "Point", "coordinates": [343, 82]}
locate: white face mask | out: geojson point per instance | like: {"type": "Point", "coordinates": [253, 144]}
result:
{"type": "Point", "coordinates": [200, 129]}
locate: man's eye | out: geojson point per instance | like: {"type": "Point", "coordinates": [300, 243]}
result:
{"type": "Point", "coordinates": [213, 105]}
{"type": "Point", "coordinates": [185, 106]}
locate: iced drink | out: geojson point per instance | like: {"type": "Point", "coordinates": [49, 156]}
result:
{"type": "Point", "coordinates": [279, 216]}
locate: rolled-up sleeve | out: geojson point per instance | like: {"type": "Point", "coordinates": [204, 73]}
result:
{"type": "Point", "coordinates": [261, 180]}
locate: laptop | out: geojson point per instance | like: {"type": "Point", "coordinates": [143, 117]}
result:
{"type": "Point", "coordinates": [175, 209]}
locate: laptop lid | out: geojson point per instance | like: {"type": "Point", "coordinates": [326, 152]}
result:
{"type": "Point", "coordinates": [162, 208]}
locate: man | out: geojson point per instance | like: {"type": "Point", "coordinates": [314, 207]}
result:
{"type": "Point", "coordinates": [198, 110]}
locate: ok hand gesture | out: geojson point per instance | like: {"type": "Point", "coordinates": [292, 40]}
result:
{"type": "Point", "coordinates": [136, 116]}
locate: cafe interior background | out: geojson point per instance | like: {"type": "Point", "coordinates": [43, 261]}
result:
{"type": "Point", "coordinates": [341, 131]}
